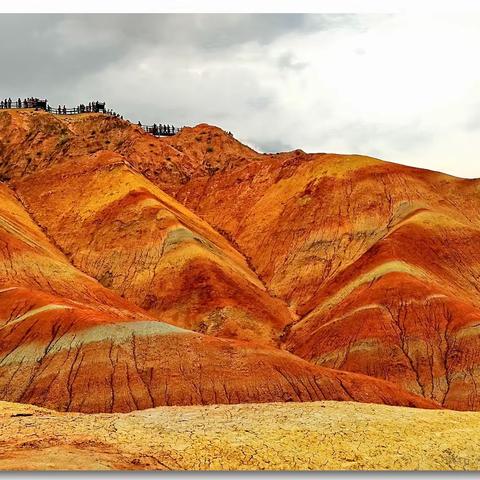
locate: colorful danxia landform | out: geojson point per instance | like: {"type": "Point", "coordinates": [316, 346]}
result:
{"type": "Point", "coordinates": [138, 272]}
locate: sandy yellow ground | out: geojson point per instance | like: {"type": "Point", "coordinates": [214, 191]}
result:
{"type": "Point", "coordinates": [321, 435]}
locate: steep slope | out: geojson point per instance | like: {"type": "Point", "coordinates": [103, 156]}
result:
{"type": "Point", "coordinates": [29, 261]}
{"type": "Point", "coordinates": [302, 219]}
{"type": "Point", "coordinates": [136, 240]}
{"type": "Point", "coordinates": [68, 343]}
{"type": "Point", "coordinates": [391, 316]}
{"type": "Point", "coordinates": [323, 230]}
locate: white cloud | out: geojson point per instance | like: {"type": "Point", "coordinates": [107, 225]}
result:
{"type": "Point", "coordinates": [401, 88]}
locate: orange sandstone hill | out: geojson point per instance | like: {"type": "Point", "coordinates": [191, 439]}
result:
{"type": "Point", "coordinates": [68, 343]}
{"type": "Point", "coordinates": [380, 263]}
{"type": "Point", "coordinates": [136, 240]}
{"type": "Point", "coordinates": [141, 271]}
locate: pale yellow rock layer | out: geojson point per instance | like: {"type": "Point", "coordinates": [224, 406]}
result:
{"type": "Point", "coordinates": [319, 436]}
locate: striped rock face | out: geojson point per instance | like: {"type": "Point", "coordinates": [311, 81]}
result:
{"type": "Point", "coordinates": [380, 263]}
{"type": "Point", "coordinates": [142, 244]}
{"type": "Point", "coordinates": [68, 343]}
{"type": "Point", "coordinates": [138, 271]}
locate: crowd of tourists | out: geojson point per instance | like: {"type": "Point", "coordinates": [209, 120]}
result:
{"type": "Point", "coordinates": [25, 103]}
{"type": "Point", "coordinates": [92, 107]}
{"type": "Point", "coordinates": [159, 129]}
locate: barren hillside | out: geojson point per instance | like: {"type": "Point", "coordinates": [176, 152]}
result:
{"type": "Point", "coordinates": [235, 276]}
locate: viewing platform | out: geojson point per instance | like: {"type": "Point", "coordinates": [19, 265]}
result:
{"type": "Point", "coordinates": [158, 130]}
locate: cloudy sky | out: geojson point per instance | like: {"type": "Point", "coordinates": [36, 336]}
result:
{"type": "Point", "coordinates": [404, 88]}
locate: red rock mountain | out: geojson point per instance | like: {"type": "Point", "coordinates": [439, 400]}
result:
{"type": "Point", "coordinates": [139, 271]}
{"type": "Point", "coordinates": [68, 343]}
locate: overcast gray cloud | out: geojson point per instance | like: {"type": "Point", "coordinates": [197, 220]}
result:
{"type": "Point", "coordinates": [401, 88]}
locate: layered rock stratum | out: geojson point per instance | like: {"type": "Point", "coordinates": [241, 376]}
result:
{"type": "Point", "coordinates": [138, 271]}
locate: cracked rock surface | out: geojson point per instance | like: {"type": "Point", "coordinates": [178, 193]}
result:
{"type": "Point", "coordinates": [70, 344]}
{"type": "Point", "coordinates": [307, 436]}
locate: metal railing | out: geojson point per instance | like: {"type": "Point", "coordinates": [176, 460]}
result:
{"type": "Point", "coordinates": [158, 130]}
{"type": "Point", "coordinates": [78, 110]}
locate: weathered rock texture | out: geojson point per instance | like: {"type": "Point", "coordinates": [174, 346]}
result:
{"type": "Point", "coordinates": [68, 343]}
{"type": "Point", "coordinates": [31, 141]}
{"type": "Point", "coordinates": [307, 436]}
{"type": "Point", "coordinates": [142, 244]}
{"type": "Point", "coordinates": [379, 262]}
{"type": "Point", "coordinates": [346, 261]}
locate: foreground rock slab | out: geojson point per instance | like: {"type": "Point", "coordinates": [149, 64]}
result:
{"type": "Point", "coordinates": [289, 436]}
